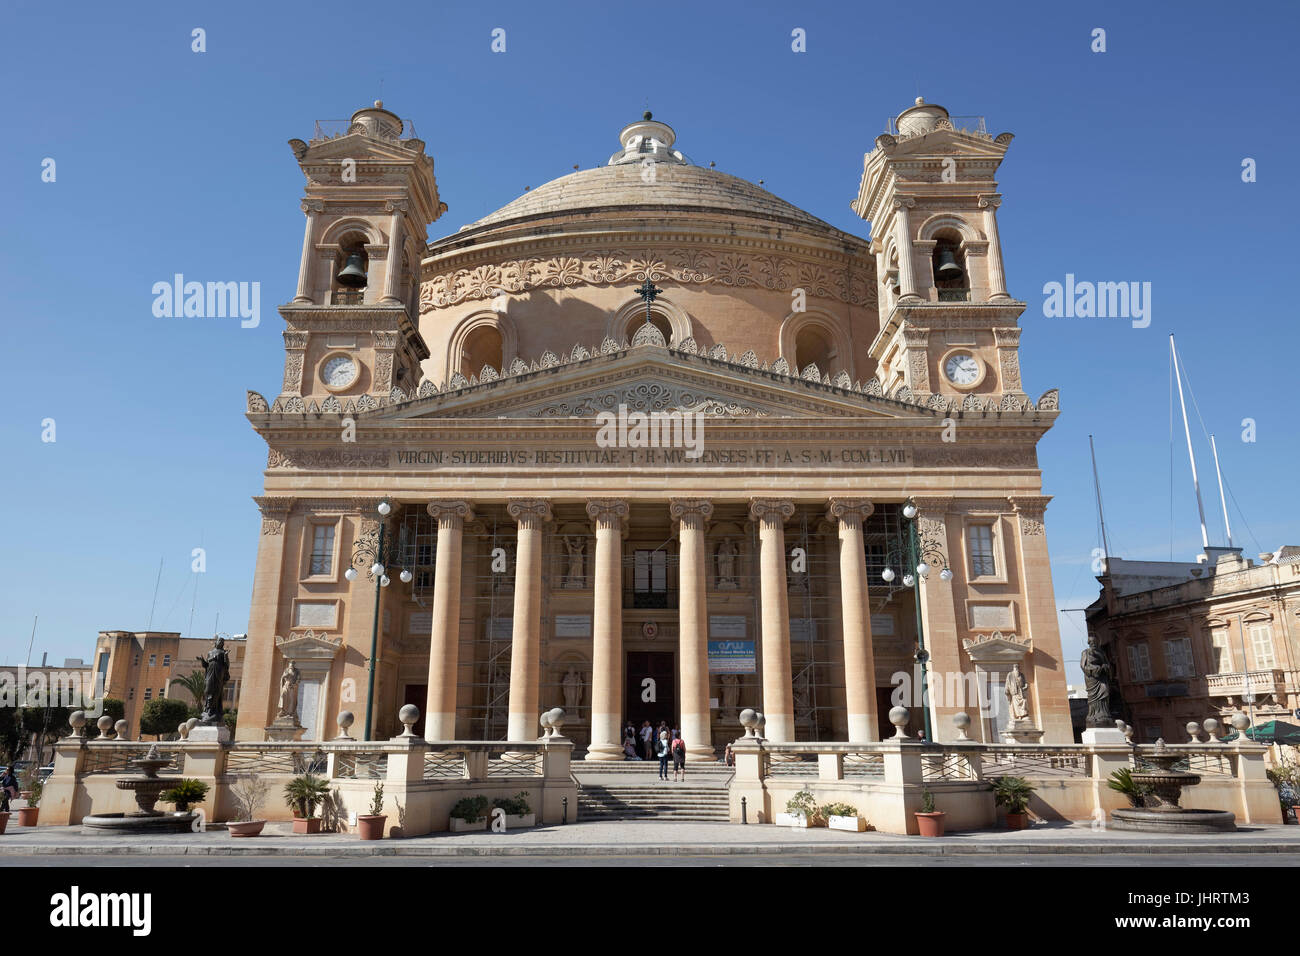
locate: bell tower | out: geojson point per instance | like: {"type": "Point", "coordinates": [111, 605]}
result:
{"type": "Point", "coordinates": [948, 327]}
{"type": "Point", "coordinates": [351, 328]}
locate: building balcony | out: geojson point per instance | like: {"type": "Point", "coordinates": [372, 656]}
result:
{"type": "Point", "coordinates": [1260, 683]}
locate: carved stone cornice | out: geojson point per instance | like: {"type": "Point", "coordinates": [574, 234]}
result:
{"type": "Point", "coordinates": [451, 513]}
{"type": "Point", "coordinates": [275, 511]}
{"type": "Point", "coordinates": [850, 511]}
{"type": "Point", "coordinates": [932, 505]}
{"type": "Point", "coordinates": [1030, 510]}
{"type": "Point", "coordinates": [691, 510]}
{"type": "Point", "coordinates": [997, 649]}
{"type": "Point", "coordinates": [775, 511]}
{"type": "Point", "coordinates": [530, 513]}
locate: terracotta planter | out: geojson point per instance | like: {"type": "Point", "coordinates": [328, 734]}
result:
{"type": "Point", "coordinates": [371, 827]}
{"type": "Point", "coordinates": [249, 828]}
{"type": "Point", "coordinates": [306, 824]}
{"type": "Point", "coordinates": [4, 820]}
{"type": "Point", "coordinates": [1017, 821]}
{"type": "Point", "coordinates": [930, 824]}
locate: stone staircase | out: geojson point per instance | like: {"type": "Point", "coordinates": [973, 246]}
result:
{"type": "Point", "coordinates": [633, 791]}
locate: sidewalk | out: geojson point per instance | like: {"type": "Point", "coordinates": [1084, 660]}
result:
{"type": "Point", "coordinates": [642, 839]}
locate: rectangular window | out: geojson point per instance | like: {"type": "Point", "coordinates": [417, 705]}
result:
{"type": "Point", "coordinates": [982, 564]}
{"type": "Point", "coordinates": [1178, 658]}
{"type": "Point", "coordinates": [1139, 662]}
{"type": "Point", "coordinates": [322, 549]}
{"type": "Point", "coordinates": [651, 572]}
{"type": "Point", "coordinates": [153, 659]}
{"type": "Point", "coordinates": [130, 694]}
{"type": "Point", "coordinates": [162, 692]}
{"type": "Point", "coordinates": [148, 693]}
{"type": "Point", "coordinates": [1261, 642]}
{"type": "Point", "coordinates": [135, 661]}
{"type": "Point", "coordinates": [1221, 651]}
{"type": "Point", "coordinates": [167, 660]}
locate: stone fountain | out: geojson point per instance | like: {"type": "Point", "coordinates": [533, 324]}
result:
{"type": "Point", "coordinates": [1166, 787]}
{"type": "Point", "coordinates": [147, 787]}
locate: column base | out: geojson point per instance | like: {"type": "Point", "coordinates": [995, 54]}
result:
{"type": "Point", "coordinates": [605, 752]}
{"type": "Point", "coordinates": [699, 755]}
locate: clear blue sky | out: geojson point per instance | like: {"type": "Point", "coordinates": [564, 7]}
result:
{"type": "Point", "coordinates": [1126, 166]}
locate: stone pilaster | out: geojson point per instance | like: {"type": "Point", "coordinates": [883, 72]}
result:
{"type": "Point", "coordinates": [444, 642]}
{"type": "Point", "coordinates": [778, 693]}
{"type": "Point", "coordinates": [692, 516]}
{"type": "Point", "coordinates": [526, 639]}
{"type": "Point", "coordinates": [609, 516]}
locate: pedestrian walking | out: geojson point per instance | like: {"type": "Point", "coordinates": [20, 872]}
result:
{"type": "Point", "coordinates": [662, 753]}
{"type": "Point", "coordinates": [679, 757]}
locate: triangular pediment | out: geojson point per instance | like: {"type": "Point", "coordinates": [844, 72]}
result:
{"type": "Point", "coordinates": [650, 378]}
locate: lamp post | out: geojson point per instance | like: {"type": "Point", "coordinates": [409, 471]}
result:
{"type": "Point", "coordinates": [378, 553]}
{"type": "Point", "coordinates": [912, 560]}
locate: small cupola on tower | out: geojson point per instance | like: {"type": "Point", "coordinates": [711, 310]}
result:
{"type": "Point", "coordinates": [647, 140]}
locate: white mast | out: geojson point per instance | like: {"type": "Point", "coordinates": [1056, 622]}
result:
{"type": "Point", "coordinates": [1096, 484]}
{"type": "Point", "coordinates": [1222, 500]}
{"type": "Point", "coordinates": [1200, 506]}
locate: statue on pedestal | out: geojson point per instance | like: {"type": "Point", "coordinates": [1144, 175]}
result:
{"type": "Point", "coordinates": [730, 694]}
{"type": "Point", "coordinates": [1017, 691]}
{"type": "Point", "coordinates": [572, 691]}
{"type": "Point", "coordinates": [289, 692]}
{"type": "Point", "coordinates": [575, 545]}
{"type": "Point", "coordinates": [1097, 679]}
{"type": "Point", "coordinates": [216, 671]}
{"type": "Point", "coordinates": [727, 554]}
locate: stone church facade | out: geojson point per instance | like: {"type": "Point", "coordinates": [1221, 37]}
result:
{"type": "Point", "coordinates": [649, 443]}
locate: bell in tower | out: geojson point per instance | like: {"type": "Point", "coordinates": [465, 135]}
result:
{"type": "Point", "coordinates": [353, 273]}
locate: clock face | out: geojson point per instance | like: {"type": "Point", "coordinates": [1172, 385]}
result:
{"type": "Point", "coordinates": [962, 368]}
{"type": "Point", "coordinates": [339, 372]}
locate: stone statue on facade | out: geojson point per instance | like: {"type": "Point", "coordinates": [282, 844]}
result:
{"type": "Point", "coordinates": [216, 671]}
{"type": "Point", "coordinates": [730, 693]}
{"type": "Point", "coordinates": [572, 691]}
{"type": "Point", "coordinates": [1098, 680]}
{"type": "Point", "coordinates": [727, 554]}
{"type": "Point", "coordinates": [289, 691]}
{"type": "Point", "coordinates": [575, 545]}
{"type": "Point", "coordinates": [1017, 691]}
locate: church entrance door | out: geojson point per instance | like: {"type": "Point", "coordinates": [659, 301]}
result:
{"type": "Point", "coordinates": [650, 686]}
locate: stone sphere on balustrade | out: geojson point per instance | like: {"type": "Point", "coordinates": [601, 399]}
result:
{"type": "Point", "coordinates": [961, 720]}
{"type": "Point", "coordinates": [748, 720]}
{"type": "Point", "coordinates": [105, 725]}
{"type": "Point", "coordinates": [120, 728]}
{"type": "Point", "coordinates": [557, 716]}
{"type": "Point", "coordinates": [77, 720]}
{"type": "Point", "coordinates": [545, 721]}
{"type": "Point", "coordinates": [898, 716]}
{"type": "Point", "coordinates": [408, 715]}
{"type": "Point", "coordinates": [1212, 727]}
{"type": "Point", "coordinates": [347, 719]}
{"type": "Point", "coordinates": [1240, 722]}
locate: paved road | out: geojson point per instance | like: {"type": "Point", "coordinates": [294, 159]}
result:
{"type": "Point", "coordinates": [783, 859]}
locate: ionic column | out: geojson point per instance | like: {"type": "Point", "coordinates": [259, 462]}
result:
{"type": "Point", "coordinates": [906, 267]}
{"type": "Point", "coordinates": [526, 637]}
{"type": "Point", "coordinates": [997, 281]}
{"type": "Point", "coordinates": [311, 207]}
{"type": "Point", "coordinates": [444, 641]}
{"type": "Point", "coordinates": [778, 695]}
{"type": "Point", "coordinates": [608, 515]}
{"type": "Point", "coordinates": [859, 659]}
{"type": "Point", "coordinates": [397, 208]}
{"type": "Point", "coordinates": [693, 624]}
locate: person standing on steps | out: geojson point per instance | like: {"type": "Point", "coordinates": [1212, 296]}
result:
{"type": "Point", "coordinates": [679, 757]}
{"type": "Point", "coordinates": [662, 752]}
{"type": "Point", "coordinates": [647, 739]}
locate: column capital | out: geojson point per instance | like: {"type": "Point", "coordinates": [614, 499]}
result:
{"type": "Point", "coordinates": [611, 512]}
{"type": "Point", "coordinates": [275, 511]}
{"type": "Point", "coordinates": [312, 205]}
{"type": "Point", "coordinates": [681, 509]}
{"type": "Point", "coordinates": [990, 201]}
{"type": "Point", "coordinates": [396, 205]}
{"type": "Point", "coordinates": [850, 511]}
{"type": "Point", "coordinates": [1030, 510]}
{"type": "Point", "coordinates": [454, 510]}
{"type": "Point", "coordinates": [529, 512]}
{"type": "Point", "coordinates": [778, 510]}
{"type": "Point", "coordinates": [903, 202]}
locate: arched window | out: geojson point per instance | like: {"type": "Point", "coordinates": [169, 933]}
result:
{"type": "Point", "coordinates": [815, 338]}
{"type": "Point", "coordinates": [672, 322]}
{"type": "Point", "coordinates": [951, 278]}
{"type": "Point", "coordinates": [483, 346]}
{"type": "Point", "coordinates": [350, 275]}
{"type": "Point", "coordinates": [657, 319]}
{"type": "Point", "coordinates": [812, 346]}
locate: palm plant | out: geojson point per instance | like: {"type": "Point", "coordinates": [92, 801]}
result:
{"type": "Point", "coordinates": [1121, 781]}
{"type": "Point", "coordinates": [304, 793]}
{"type": "Point", "coordinates": [192, 682]}
{"type": "Point", "coordinates": [1012, 793]}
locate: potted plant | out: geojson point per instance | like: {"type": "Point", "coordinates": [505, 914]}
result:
{"type": "Point", "coordinates": [249, 795]}
{"type": "Point", "coordinates": [1121, 781]}
{"type": "Point", "coordinates": [32, 792]}
{"type": "Point", "coordinates": [843, 816]}
{"type": "Point", "coordinates": [1287, 781]}
{"type": "Point", "coordinates": [518, 812]}
{"type": "Point", "coordinates": [800, 811]}
{"type": "Point", "coordinates": [469, 813]}
{"type": "Point", "coordinates": [303, 794]}
{"type": "Point", "coordinates": [1012, 794]}
{"type": "Point", "coordinates": [184, 793]}
{"type": "Point", "coordinates": [929, 821]}
{"type": "Point", "coordinates": [371, 825]}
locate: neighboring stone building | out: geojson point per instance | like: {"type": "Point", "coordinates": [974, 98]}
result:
{"type": "Point", "coordinates": [494, 389]}
{"type": "Point", "coordinates": [1196, 640]}
{"type": "Point", "coordinates": [138, 666]}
